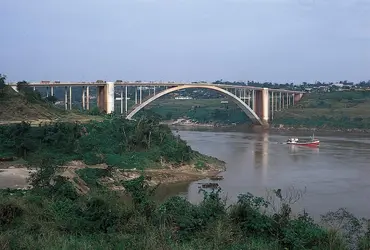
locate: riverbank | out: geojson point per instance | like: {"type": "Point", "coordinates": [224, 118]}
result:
{"type": "Point", "coordinates": [58, 215]}
{"type": "Point", "coordinates": [93, 216]}
{"type": "Point", "coordinates": [282, 127]}
{"type": "Point", "coordinates": [188, 123]}
{"type": "Point", "coordinates": [16, 176]}
{"type": "Point", "coordinates": [129, 147]}
{"type": "Point", "coordinates": [272, 127]}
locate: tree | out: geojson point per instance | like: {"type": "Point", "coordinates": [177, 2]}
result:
{"type": "Point", "coordinates": [2, 81]}
{"type": "Point", "coordinates": [169, 115]}
{"type": "Point", "coordinates": [52, 99]}
{"type": "Point", "coordinates": [22, 86]}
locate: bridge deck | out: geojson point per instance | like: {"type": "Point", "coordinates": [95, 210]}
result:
{"type": "Point", "coordinates": [149, 84]}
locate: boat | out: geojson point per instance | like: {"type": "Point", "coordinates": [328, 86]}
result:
{"type": "Point", "coordinates": [209, 185]}
{"type": "Point", "coordinates": [312, 142]}
{"type": "Point", "coordinates": [216, 178]}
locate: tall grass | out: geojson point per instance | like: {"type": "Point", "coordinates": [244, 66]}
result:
{"type": "Point", "coordinates": [57, 218]}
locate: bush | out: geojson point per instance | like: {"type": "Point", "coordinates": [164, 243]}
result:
{"type": "Point", "coordinates": [56, 215]}
{"type": "Point", "coordinates": [115, 141]}
{"type": "Point", "coordinates": [9, 211]}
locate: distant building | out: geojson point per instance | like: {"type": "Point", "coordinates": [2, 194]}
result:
{"type": "Point", "coordinates": [119, 98]}
{"type": "Point", "coordinates": [183, 98]}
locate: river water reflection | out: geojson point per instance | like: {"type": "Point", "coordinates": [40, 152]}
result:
{"type": "Point", "coordinates": [336, 175]}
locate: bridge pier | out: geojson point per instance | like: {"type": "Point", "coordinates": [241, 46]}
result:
{"type": "Point", "coordinates": [297, 97]}
{"type": "Point", "coordinates": [121, 101]}
{"type": "Point", "coordinates": [125, 100]}
{"type": "Point", "coordinates": [87, 98]}
{"type": "Point", "coordinates": [83, 98]}
{"type": "Point", "coordinates": [272, 105]}
{"type": "Point", "coordinates": [141, 94]}
{"type": "Point", "coordinates": [135, 95]}
{"type": "Point", "coordinates": [105, 97]}
{"type": "Point", "coordinates": [70, 98]}
{"type": "Point", "coordinates": [262, 101]}
{"type": "Point", "coordinates": [65, 98]}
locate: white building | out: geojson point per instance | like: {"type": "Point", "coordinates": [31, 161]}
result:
{"type": "Point", "coordinates": [183, 98]}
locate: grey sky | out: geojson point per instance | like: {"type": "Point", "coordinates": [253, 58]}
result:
{"type": "Point", "coordinates": [185, 40]}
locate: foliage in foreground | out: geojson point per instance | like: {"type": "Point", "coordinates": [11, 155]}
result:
{"type": "Point", "coordinates": [55, 217]}
{"type": "Point", "coordinates": [115, 141]}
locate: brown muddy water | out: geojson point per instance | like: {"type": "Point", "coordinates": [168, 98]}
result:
{"type": "Point", "coordinates": [333, 176]}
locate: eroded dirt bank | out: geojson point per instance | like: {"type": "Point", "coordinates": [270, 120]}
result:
{"type": "Point", "coordinates": [17, 175]}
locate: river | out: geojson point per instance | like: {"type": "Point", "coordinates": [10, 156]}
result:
{"type": "Point", "coordinates": [336, 175]}
{"type": "Point", "coordinates": [333, 176]}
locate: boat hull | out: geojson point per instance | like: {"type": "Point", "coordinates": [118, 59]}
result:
{"type": "Point", "coordinates": [307, 144]}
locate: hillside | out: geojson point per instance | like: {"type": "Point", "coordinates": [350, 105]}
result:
{"type": "Point", "coordinates": [200, 110]}
{"type": "Point", "coordinates": [29, 107]}
{"type": "Point", "coordinates": [332, 110]}
{"type": "Point", "coordinates": [350, 109]}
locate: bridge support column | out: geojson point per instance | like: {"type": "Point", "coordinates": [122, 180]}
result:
{"type": "Point", "coordinates": [65, 98]}
{"type": "Point", "coordinates": [254, 100]}
{"type": "Point", "coordinates": [141, 93]}
{"type": "Point", "coordinates": [135, 95]}
{"type": "Point", "coordinates": [87, 98]}
{"type": "Point", "coordinates": [125, 100]}
{"type": "Point", "coordinates": [280, 100]}
{"type": "Point", "coordinates": [272, 105]}
{"type": "Point", "coordinates": [52, 91]}
{"type": "Point", "coordinates": [121, 100]}
{"type": "Point", "coordinates": [276, 102]}
{"type": "Point", "coordinates": [70, 97]}
{"type": "Point", "coordinates": [297, 97]}
{"type": "Point", "coordinates": [105, 97]}
{"type": "Point", "coordinates": [83, 98]}
{"type": "Point", "coordinates": [262, 105]}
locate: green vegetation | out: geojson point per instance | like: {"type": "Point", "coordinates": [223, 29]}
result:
{"type": "Point", "coordinates": [200, 110]}
{"type": "Point", "coordinates": [115, 141]}
{"type": "Point", "coordinates": [341, 110]}
{"type": "Point", "coordinates": [2, 82]}
{"type": "Point", "coordinates": [53, 215]}
{"type": "Point", "coordinates": [332, 110]}
{"type": "Point", "coordinates": [29, 105]}
{"type": "Point", "coordinates": [56, 217]}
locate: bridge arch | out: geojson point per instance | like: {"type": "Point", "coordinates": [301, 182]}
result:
{"type": "Point", "coordinates": [246, 109]}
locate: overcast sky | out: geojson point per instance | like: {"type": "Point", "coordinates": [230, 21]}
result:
{"type": "Point", "coordinates": [185, 40]}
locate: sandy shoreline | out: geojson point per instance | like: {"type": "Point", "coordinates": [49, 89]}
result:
{"type": "Point", "coordinates": [14, 178]}
{"type": "Point", "coordinates": [17, 177]}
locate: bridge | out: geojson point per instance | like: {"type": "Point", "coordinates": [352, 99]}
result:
{"type": "Point", "coordinates": [259, 104]}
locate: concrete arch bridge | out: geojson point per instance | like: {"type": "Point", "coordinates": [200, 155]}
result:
{"type": "Point", "coordinates": [259, 104]}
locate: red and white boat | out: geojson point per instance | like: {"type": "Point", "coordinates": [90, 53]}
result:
{"type": "Point", "coordinates": [309, 143]}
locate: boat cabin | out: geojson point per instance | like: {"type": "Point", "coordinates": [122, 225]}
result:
{"type": "Point", "coordinates": [293, 140]}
